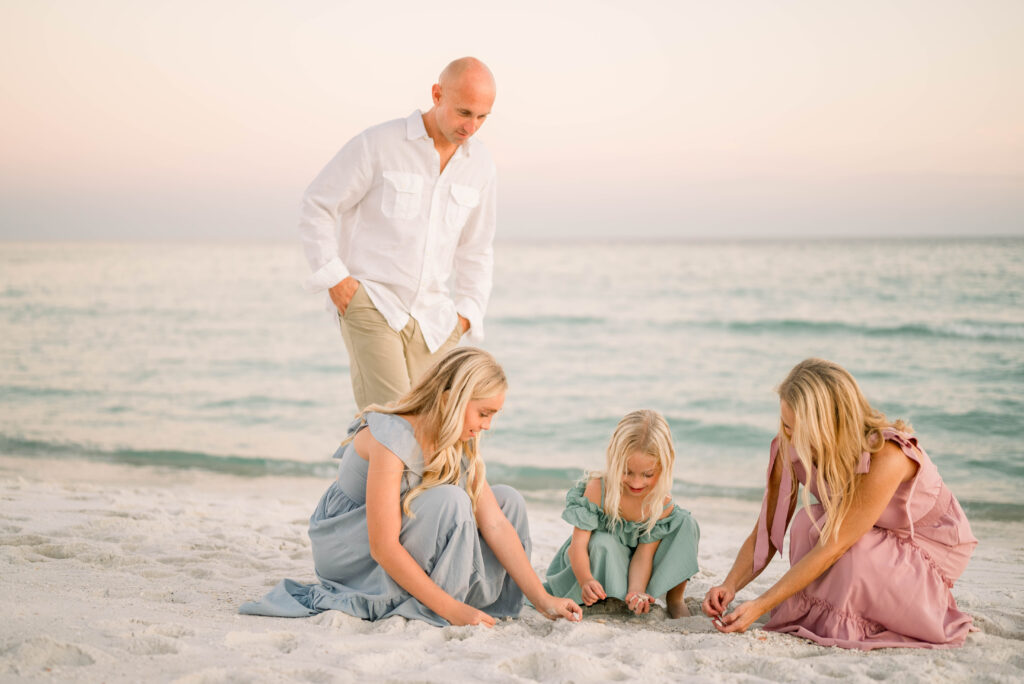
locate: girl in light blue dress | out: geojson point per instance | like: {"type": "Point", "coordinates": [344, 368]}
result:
{"type": "Point", "coordinates": [629, 541]}
{"type": "Point", "coordinates": [411, 527]}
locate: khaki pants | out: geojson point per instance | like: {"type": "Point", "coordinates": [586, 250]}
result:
{"type": "Point", "coordinates": [383, 363]}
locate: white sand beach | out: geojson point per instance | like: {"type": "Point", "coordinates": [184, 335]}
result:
{"type": "Point", "coordinates": [125, 574]}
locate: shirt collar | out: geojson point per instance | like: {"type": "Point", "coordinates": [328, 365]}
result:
{"type": "Point", "coordinates": [415, 130]}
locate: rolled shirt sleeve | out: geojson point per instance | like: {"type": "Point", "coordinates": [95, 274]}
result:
{"type": "Point", "coordinates": [338, 188]}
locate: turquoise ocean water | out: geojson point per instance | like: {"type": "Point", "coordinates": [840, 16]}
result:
{"type": "Point", "coordinates": [212, 357]}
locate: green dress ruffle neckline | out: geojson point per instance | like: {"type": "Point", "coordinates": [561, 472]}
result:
{"type": "Point", "coordinates": [611, 548]}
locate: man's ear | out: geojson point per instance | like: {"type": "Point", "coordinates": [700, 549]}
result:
{"type": "Point", "coordinates": [435, 93]}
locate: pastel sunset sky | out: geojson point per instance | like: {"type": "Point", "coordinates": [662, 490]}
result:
{"type": "Point", "coordinates": [163, 120]}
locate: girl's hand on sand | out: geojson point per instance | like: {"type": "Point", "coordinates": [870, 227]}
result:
{"type": "Point", "coordinates": [468, 615]}
{"type": "Point", "coordinates": [553, 608]}
{"type": "Point", "coordinates": [717, 600]}
{"type": "Point", "coordinates": [639, 602]}
{"type": "Point", "coordinates": [592, 592]}
{"type": "Point", "coordinates": [739, 619]}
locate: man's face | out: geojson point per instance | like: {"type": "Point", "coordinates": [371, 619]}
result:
{"type": "Point", "coordinates": [462, 108]}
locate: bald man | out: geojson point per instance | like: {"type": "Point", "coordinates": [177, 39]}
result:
{"type": "Point", "coordinates": [403, 207]}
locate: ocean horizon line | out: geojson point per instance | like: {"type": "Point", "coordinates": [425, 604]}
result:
{"type": "Point", "coordinates": [500, 239]}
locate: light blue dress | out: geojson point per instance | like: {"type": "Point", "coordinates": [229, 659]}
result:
{"type": "Point", "coordinates": [611, 548]}
{"type": "Point", "coordinates": [443, 539]}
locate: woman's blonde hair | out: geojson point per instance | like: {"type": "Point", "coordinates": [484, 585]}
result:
{"type": "Point", "coordinates": [835, 424]}
{"type": "Point", "coordinates": [439, 400]}
{"type": "Point", "coordinates": [644, 431]}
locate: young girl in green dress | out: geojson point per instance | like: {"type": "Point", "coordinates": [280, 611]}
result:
{"type": "Point", "coordinates": [629, 541]}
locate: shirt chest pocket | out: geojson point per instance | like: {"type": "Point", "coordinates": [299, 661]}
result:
{"type": "Point", "coordinates": [462, 199]}
{"type": "Point", "coordinates": [403, 195]}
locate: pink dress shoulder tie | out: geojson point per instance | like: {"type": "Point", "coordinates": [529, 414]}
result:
{"type": "Point", "coordinates": [773, 533]}
{"type": "Point", "coordinates": [908, 446]}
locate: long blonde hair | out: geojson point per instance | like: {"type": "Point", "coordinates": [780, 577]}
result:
{"type": "Point", "coordinates": [835, 424]}
{"type": "Point", "coordinates": [644, 431]}
{"type": "Point", "coordinates": [439, 401]}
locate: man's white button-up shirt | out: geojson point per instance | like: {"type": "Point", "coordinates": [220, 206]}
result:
{"type": "Point", "coordinates": [383, 212]}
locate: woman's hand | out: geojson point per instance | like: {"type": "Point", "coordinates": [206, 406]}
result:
{"type": "Point", "coordinates": [739, 619]}
{"type": "Point", "coordinates": [553, 608]}
{"type": "Point", "coordinates": [639, 602]}
{"type": "Point", "coordinates": [717, 600]}
{"type": "Point", "coordinates": [463, 614]}
{"type": "Point", "coordinates": [592, 592]}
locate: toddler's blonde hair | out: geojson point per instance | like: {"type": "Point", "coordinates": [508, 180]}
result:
{"type": "Point", "coordinates": [646, 432]}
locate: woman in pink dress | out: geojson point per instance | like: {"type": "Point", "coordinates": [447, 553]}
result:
{"type": "Point", "coordinates": [872, 563]}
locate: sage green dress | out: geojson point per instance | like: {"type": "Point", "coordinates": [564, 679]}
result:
{"type": "Point", "coordinates": [675, 561]}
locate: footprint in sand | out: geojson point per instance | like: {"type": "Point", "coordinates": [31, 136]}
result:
{"type": "Point", "coordinates": [542, 667]}
{"type": "Point", "coordinates": [284, 642]}
{"type": "Point", "coordinates": [41, 653]}
{"type": "Point", "coordinates": [152, 645]}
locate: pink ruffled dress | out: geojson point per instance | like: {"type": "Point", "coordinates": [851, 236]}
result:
{"type": "Point", "coordinates": [891, 588]}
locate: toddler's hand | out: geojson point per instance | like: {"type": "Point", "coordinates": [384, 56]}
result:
{"type": "Point", "coordinates": [639, 602]}
{"type": "Point", "coordinates": [592, 592]}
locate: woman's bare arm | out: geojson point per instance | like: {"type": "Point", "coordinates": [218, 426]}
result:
{"type": "Point", "coordinates": [503, 540]}
{"type": "Point", "coordinates": [384, 524]}
{"type": "Point", "coordinates": [742, 572]}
